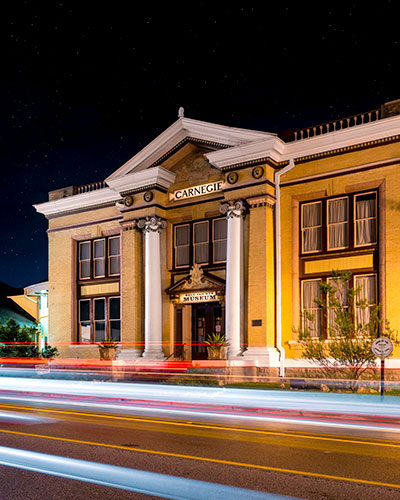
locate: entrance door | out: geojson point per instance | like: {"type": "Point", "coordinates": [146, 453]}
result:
{"type": "Point", "coordinates": [207, 319]}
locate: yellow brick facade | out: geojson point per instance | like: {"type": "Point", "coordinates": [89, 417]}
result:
{"type": "Point", "coordinates": [341, 163]}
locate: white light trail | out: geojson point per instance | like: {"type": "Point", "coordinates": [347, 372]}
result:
{"type": "Point", "coordinates": [149, 483]}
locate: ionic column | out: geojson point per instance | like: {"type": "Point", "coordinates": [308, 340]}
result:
{"type": "Point", "coordinates": [151, 227]}
{"type": "Point", "coordinates": [234, 276]}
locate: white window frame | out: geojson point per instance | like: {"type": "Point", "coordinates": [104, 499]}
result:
{"type": "Point", "coordinates": [370, 304]}
{"type": "Point", "coordinates": [365, 218]}
{"type": "Point", "coordinates": [344, 223]}
{"type": "Point", "coordinates": [303, 229]}
{"type": "Point", "coordinates": [206, 263]}
{"type": "Point", "coordinates": [89, 321]}
{"type": "Point", "coordinates": [114, 255]}
{"type": "Point", "coordinates": [221, 239]}
{"type": "Point", "coordinates": [312, 310]}
{"type": "Point", "coordinates": [329, 280]}
{"type": "Point", "coordinates": [97, 240]}
{"type": "Point", "coordinates": [81, 243]}
{"type": "Point", "coordinates": [180, 246]}
{"type": "Point", "coordinates": [108, 316]}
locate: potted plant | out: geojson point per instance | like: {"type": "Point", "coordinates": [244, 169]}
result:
{"type": "Point", "coordinates": [216, 346]}
{"type": "Point", "coordinates": [108, 348]}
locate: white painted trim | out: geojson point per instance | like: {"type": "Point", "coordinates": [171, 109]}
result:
{"type": "Point", "coordinates": [37, 288]}
{"type": "Point", "coordinates": [156, 175]}
{"type": "Point", "coordinates": [379, 129]}
{"type": "Point", "coordinates": [278, 267]}
{"type": "Point", "coordinates": [273, 147]}
{"type": "Point", "coordinates": [181, 129]}
{"type": "Point", "coordinates": [77, 201]}
{"type": "Point", "coordinates": [375, 164]}
{"type": "Point", "coordinates": [245, 145]}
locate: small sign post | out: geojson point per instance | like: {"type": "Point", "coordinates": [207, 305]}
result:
{"type": "Point", "coordinates": [382, 347]}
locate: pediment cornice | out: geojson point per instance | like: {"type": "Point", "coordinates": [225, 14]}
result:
{"type": "Point", "coordinates": [186, 129]}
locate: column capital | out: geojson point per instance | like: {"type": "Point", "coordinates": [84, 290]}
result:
{"type": "Point", "coordinates": [233, 209]}
{"type": "Point", "coordinates": [152, 224]}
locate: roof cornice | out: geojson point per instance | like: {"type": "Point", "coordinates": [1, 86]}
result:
{"type": "Point", "coordinates": [272, 147]}
{"type": "Point", "coordinates": [157, 176]}
{"type": "Point", "coordinates": [344, 138]}
{"type": "Point", "coordinates": [279, 151]}
{"type": "Point", "coordinates": [91, 199]}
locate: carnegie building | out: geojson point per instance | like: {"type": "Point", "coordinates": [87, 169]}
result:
{"type": "Point", "coordinates": [214, 229]}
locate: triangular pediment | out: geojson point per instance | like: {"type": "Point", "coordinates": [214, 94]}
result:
{"type": "Point", "coordinates": [186, 131]}
{"type": "Point", "coordinates": [197, 281]}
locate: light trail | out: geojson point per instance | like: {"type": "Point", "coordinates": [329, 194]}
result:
{"type": "Point", "coordinates": [22, 418]}
{"type": "Point", "coordinates": [207, 427]}
{"type": "Point", "coordinates": [210, 460]}
{"type": "Point", "coordinates": [149, 483]}
{"type": "Point", "coordinates": [338, 404]}
{"type": "Point", "coordinates": [216, 412]}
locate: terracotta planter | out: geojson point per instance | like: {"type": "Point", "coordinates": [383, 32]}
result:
{"type": "Point", "coordinates": [108, 353]}
{"type": "Point", "coordinates": [216, 352]}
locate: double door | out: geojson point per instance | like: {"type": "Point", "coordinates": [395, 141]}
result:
{"type": "Point", "coordinates": [206, 319]}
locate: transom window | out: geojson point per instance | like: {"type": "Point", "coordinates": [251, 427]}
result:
{"type": "Point", "coordinates": [99, 318]}
{"type": "Point", "coordinates": [339, 223]}
{"type": "Point", "coordinates": [200, 242]}
{"type": "Point", "coordinates": [99, 258]}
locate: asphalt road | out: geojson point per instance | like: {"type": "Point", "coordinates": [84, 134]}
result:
{"type": "Point", "coordinates": [294, 458]}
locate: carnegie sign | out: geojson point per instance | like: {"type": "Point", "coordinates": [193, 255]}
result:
{"type": "Point", "coordinates": [187, 298]}
{"type": "Point", "coordinates": [203, 189]}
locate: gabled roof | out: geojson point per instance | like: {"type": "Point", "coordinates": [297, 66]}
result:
{"type": "Point", "coordinates": [186, 129]}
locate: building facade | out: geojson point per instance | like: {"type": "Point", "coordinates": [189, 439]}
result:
{"type": "Point", "coordinates": [218, 229]}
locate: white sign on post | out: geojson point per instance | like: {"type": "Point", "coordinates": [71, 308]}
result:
{"type": "Point", "coordinates": [382, 347]}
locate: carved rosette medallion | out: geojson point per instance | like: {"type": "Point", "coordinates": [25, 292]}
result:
{"type": "Point", "coordinates": [152, 224]}
{"type": "Point", "coordinates": [235, 209]}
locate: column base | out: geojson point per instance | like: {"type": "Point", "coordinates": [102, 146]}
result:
{"type": "Point", "coordinates": [127, 354]}
{"type": "Point", "coordinates": [267, 355]}
{"type": "Point", "coordinates": [155, 354]}
{"type": "Point", "coordinates": [234, 353]}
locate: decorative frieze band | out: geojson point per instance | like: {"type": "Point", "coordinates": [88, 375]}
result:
{"type": "Point", "coordinates": [235, 209]}
{"type": "Point", "coordinates": [262, 201]}
{"type": "Point", "coordinates": [151, 224]}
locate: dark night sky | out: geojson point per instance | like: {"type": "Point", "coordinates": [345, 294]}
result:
{"type": "Point", "coordinates": [84, 87]}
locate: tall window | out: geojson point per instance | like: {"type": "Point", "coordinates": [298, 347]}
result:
{"type": "Point", "coordinates": [311, 227]}
{"type": "Point", "coordinates": [365, 219]}
{"type": "Point", "coordinates": [182, 245]}
{"type": "Point", "coordinates": [99, 318]}
{"type": "Point", "coordinates": [311, 313]}
{"type": "Point", "coordinates": [341, 296]}
{"type": "Point", "coordinates": [338, 217]}
{"type": "Point", "coordinates": [99, 258]}
{"type": "Point", "coordinates": [85, 251]}
{"type": "Point", "coordinates": [200, 242]}
{"type": "Point", "coordinates": [367, 296]}
{"type": "Point", "coordinates": [113, 256]}
{"type": "Point", "coordinates": [219, 240]}
{"type": "Point", "coordinates": [340, 223]}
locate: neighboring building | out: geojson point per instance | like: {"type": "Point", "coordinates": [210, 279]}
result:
{"type": "Point", "coordinates": [212, 228]}
{"type": "Point", "coordinates": [33, 300]}
{"type": "Point", "coordinates": [39, 293]}
{"type": "Point", "coordinates": [10, 307]}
